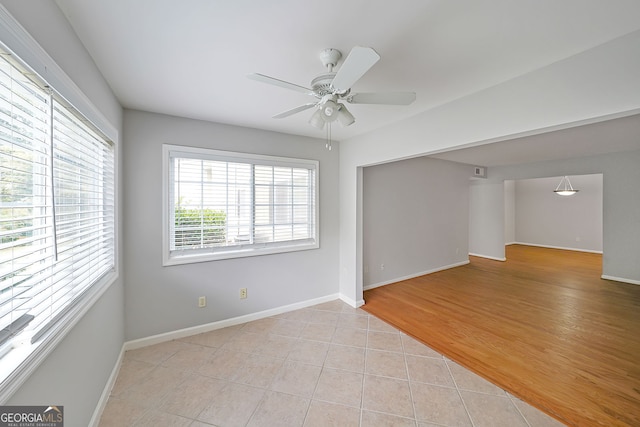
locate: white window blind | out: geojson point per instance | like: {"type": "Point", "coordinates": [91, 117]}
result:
{"type": "Point", "coordinates": [222, 205]}
{"type": "Point", "coordinates": [57, 222]}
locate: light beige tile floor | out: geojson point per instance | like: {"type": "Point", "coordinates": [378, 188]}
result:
{"type": "Point", "coordinates": [327, 365]}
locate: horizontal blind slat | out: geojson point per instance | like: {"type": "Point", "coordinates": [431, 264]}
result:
{"type": "Point", "coordinates": [31, 279]}
{"type": "Point", "coordinates": [260, 202]}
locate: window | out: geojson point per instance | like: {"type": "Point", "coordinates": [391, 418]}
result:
{"type": "Point", "coordinates": [225, 205]}
{"type": "Point", "coordinates": [57, 220]}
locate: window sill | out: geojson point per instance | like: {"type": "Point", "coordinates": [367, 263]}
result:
{"type": "Point", "coordinates": [19, 363]}
{"type": "Point", "coordinates": [184, 258]}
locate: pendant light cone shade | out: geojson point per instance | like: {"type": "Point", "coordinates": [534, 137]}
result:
{"type": "Point", "coordinates": [317, 120]}
{"type": "Point", "coordinates": [345, 117]}
{"type": "Point", "coordinates": [565, 188]}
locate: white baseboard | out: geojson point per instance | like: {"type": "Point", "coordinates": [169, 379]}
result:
{"type": "Point", "coordinates": [488, 257]}
{"type": "Point", "coordinates": [558, 247]}
{"type": "Point", "coordinates": [620, 279]}
{"type": "Point", "coordinates": [106, 392]}
{"type": "Point", "coordinates": [352, 303]}
{"type": "Point", "coordinates": [181, 333]}
{"type": "Point", "coordinates": [422, 273]}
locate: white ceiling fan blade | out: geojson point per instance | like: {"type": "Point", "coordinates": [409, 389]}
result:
{"type": "Point", "coordinates": [277, 82]}
{"type": "Point", "coordinates": [388, 98]}
{"type": "Point", "coordinates": [294, 110]}
{"type": "Point", "coordinates": [359, 61]}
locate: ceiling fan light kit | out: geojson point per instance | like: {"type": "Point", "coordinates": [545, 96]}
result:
{"type": "Point", "coordinates": [331, 87]}
{"type": "Point", "coordinates": [329, 108]}
{"type": "Point", "coordinates": [316, 119]}
{"type": "Point", "coordinates": [330, 111]}
{"type": "Point", "coordinates": [345, 117]}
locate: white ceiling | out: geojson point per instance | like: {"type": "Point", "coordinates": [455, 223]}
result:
{"type": "Point", "coordinates": [190, 58]}
{"type": "Point", "coordinates": [616, 135]}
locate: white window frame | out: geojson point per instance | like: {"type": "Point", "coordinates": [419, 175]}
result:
{"type": "Point", "coordinates": [18, 365]}
{"type": "Point", "coordinates": [170, 257]}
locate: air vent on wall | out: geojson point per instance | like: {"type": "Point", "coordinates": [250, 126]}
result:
{"type": "Point", "coordinates": [479, 172]}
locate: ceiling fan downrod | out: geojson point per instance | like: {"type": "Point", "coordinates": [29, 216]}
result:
{"type": "Point", "coordinates": [330, 58]}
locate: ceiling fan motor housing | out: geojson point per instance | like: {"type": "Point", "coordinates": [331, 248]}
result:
{"type": "Point", "coordinates": [321, 85]}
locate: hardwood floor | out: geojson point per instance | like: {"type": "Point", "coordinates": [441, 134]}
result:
{"type": "Point", "coordinates": [543, 325]}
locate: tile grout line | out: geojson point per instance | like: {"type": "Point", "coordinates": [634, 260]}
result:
{"type": "Point", "coordinates": [196, 372]}
{"type": "Point", "coordinates": [264, 396]}
{"type": "Point", "coordinates": [406, 367]}
{"type": "Point", "coordinates": [322, 369]}
{"type": "Point", "coordinates": [459, 394]}
{"type": "Point", "coordinates": [163, 357]}
{"type": "Point", "coordinates": [157, 404]}
{"type": "Point", "coordinates": [518, 408]}
{"type": "Point", "coordinates": [205, 407]}
{"type": "Point", "coordinates": [306, 415]}
{"type": "Point", "coordinates": [364, 370]}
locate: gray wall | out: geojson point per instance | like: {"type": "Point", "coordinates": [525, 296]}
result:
{"type": "Point", "coordinates": [164, 299]}
{"type": "Point", "coordinates": [486, 219]}
{"type": "Point", "coordinates": [415, 218]}
{"type": "Point", "coordinates": [75, 373]}
{"type": "Point", "coordinates": [583, 88]}
{"type": "Point", "coordinates": [509, 212]}
{"type": "Point", "coordinates": [621, 203]}
{"type": "Point", "coordinates": [546, 219]}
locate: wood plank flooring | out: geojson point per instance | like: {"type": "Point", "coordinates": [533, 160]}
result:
{"type": "Point", "coordinates": [543, 325]}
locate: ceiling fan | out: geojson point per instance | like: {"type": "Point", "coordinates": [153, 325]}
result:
{"type": "Point", "coordinates": [332, 87]}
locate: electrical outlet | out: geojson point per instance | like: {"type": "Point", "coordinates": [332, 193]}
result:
{"type": "Point", "coordinates": [243, 293]}
{"type": "Point", "coordinates": [381, 267]}
{"type": "Point", "coordinates": [202, 302]}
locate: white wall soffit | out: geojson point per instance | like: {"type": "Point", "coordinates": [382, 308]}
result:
{"type": "Point", "coordinates": [595, 85]}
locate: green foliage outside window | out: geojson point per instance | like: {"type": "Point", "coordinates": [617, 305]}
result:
{"type": "Point", "coordinates": [199, 228]}
{"type": "Point", "coordinates": [16, 191]}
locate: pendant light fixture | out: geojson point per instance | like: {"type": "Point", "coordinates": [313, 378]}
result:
{"type": "Point", "coordinates": [565, 188]}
